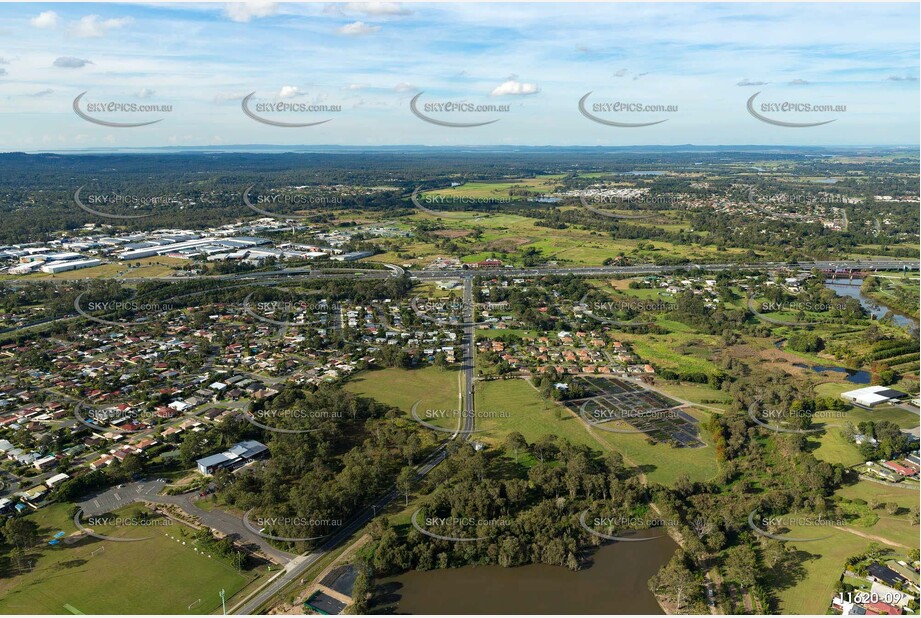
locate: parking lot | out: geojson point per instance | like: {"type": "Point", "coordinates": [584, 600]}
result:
{"type": "Point", "coordinates": [123, 495]}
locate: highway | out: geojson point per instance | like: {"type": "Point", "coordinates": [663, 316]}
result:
{"type": "Point", "coordinates": [651, 269]}
{"type": "Point", "coordinates": [457, 273]}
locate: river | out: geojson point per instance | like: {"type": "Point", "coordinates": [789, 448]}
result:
{"type": "Point", "coordinates": [615, 582]}
{"type": "Point", "coordinates": [843, 287]}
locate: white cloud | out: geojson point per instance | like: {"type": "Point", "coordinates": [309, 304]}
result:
{"type": "Point", "coordinates": [748, 82]}
{"type": "Point", "coordinates": [145, 93]}
{"type": "Point", "coordinates": [70, 62]}
{"type": "Point", "coordinates": [245, 11]}
{"type": "Point", "coordinates": [288, 92]}
{"type": "Point", "coordinates": [223, 97]}
{"type": "Point", "coordinates": [2, 72]}
{"type": "Point", "coordinates": [45, 19]}
{"type": "Point", "coordinates": [404, 87]}
{"type": "Point", "coordinates": [512, 87]}
{"type": "Point", "coordinates": [377, 8]}
{"type": "Point", "coordinates": [899, 78]}
{"type": "Point", "coordinates": [358, 28]}
{"type": "Point", "coordinates": [620, 73]}
{"type": "Point", "coordinates": [92, 27]}
{"type": "Point", "coordinates": [798, 82]}
{"type": "Point", "coordinates": [41, 93]}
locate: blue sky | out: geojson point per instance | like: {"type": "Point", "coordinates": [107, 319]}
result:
{"type": "Point", "coordinates": [702, 62]}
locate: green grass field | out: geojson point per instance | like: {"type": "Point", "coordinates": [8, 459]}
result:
{"type": "Point", "coordinates": [155, 576]}
{"type": "Point", "coordinates": [896, 527]}
{"type": "Point", "coordinates": [533, 417]}
{"type": "Point", "coordinates": [822, 561]}
{"type": "Point", "coordinates": [432, 387]}
{"type": "Point", "coordinates": [512, 233]}
{"type": "Point", "coordinates": [663, 463]}
{"type": "Point", "coordinates": [701, 394]}
{"type": "Point", "coordinates": [685, 351]}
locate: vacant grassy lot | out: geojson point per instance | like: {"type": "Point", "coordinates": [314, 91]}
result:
{"type": "Point", "coordinates": [526, 412]}
{"type": "Point", "coordinates": [155, 576]}
{"type": "Point", "coordinates": [696, 393]}
{"type": "Point", "coordinates": [822, 562]}
{"type": "Point", "coordinates": [685, 351]}
{"type": "Point", "coordinates": [532, 416]}
{"type": "Point", "coordinates": [433, 388]}
{"type": "Point", "coordinates": [896, 527]}
{"type": "Point", "coordinates": [499, 189]}
{"type": "Point", "coordinates": [663, 463]}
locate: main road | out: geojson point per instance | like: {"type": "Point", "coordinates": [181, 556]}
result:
{"type": "Point", "coordinates": [469, 347]}
{"type": "Point", "coordinates": [302, 563]}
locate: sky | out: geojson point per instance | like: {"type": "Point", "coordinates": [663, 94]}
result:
{"type": "Point", "coordinates": [186, 69]}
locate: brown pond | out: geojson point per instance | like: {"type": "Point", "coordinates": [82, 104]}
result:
{"type": "Point", "coordinates": [613, 582]}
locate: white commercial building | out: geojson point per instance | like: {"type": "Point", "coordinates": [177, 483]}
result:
{"type": "Point", "coordinates": [872, 396]}
{"type": "Point", "coordinates": [62, 266]}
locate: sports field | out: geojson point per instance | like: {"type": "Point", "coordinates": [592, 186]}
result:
{"type": "Point", "coordinates": [92, 576]}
